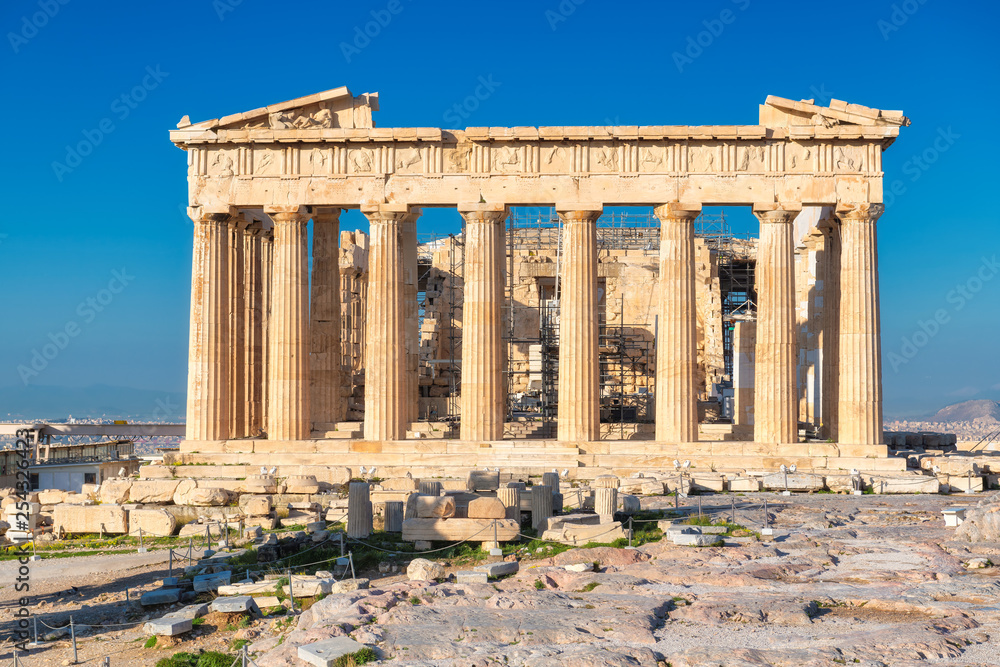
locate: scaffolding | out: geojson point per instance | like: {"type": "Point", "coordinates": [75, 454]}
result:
{"type": "Point", "coordinates": [626, 350]}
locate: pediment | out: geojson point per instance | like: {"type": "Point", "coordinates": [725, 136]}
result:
{"type": "Point", "coordinates": [781, 112]}
{"type": "Point", "coordinates": [337, 108]}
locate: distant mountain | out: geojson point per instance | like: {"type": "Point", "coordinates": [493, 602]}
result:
{"type": "Point", "coordinates": [49, 403]}
{"type": "Point", "coordinates": [966, 411]}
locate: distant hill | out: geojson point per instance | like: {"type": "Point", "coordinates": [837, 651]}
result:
{"type": "Point", "coordinates": [48, 403]}
{"type": "Point", "coordinates": [966, 411]}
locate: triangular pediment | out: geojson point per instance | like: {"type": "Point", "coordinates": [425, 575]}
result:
{"type": "Point", "coordinates": [781, 112]}
{"type": "Point", "coordinates": [337, 108]}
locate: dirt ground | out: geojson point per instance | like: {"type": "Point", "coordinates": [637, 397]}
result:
{"type": "Point", "coordinates": [872, 580]}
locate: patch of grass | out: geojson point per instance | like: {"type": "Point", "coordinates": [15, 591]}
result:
{"type": "Point", "coordinates": [539, 585]}
{"type": "Point", "coordinates": [414, 600]}
{"type": "Point", "coordinates": [150, 643]}
{"type": "Point", "coordinates": [239, 644]}
{"type": "Point", "coordinates": [362, 657]}
{"type": "Point", "coordinates": [195, 622]}
{"type": "Point", "coordinates": [589, 587]}
{"type": "Point", "coordinates": [215, 659]}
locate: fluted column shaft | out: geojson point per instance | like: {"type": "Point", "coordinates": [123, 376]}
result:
{"type": "Point", "coordinates": [411, 336]}
{"type": "Point", "coordinates": [324, 331]}
{"type": "Point", "coordinates": [830, 378]}
{"type": "Point", "coordinates": [266, 271]}
{"type": "Point", "coordinates": [208, 353]}
{"type": "Point", "coordinates": [579, 371]}
{"type": "Point", "coordinates": [483, 400]}
{"type": "Point", "coordinates": [859, 410]}
{"type": "Point", "coordinates": [288, 385]}
{"type": "Point", "coordinates": [775, 386]}
{"type": "Point", "coordinates": [254, 327]}
{"type": "Point", "coordinates": [385, 344]}
{"type": "Point", "coordinates": [677, 343]}
{"type": "Point", "coordinates": [237, 362]}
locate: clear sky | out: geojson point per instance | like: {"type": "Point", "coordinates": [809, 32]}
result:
{"type": "Point", "coordinates": [93, 235]}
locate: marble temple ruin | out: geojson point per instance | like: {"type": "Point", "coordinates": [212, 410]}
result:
{"type": "Point", "coordinates": [338, 361]}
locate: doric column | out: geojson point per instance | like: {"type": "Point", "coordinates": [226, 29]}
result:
{"type": "Point", "coordinates": [385, 345]}
{"type": "Point", "coordinates": [579, 372]}
{"type": "Point", "coordinates": [830, 343]}
{"type": "Point", "coordinates": [324, 331]}
{"type": "Point", "coordinates": [288, 386]}
{"type": "Point", "coordinates": [266, 262]}
{"type": "Point", "coordinates": [254, 328]}
{"type": "Point", "coordinates": [676, 345]}
{"type": "Point", "coordinates": [237, 361]}
{"type": "Point", "coordinates": [411, 336]}
{"type": "Point", "coordinates": [483, 398]}
{"type": "Point", "coordinates": [208, 353]}
{"type": "Point", "coordinates": [859, 410]}
{"type": "Point", "coordinates": [775, 389]}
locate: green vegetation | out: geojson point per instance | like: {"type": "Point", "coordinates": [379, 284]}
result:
{"type": "Point", "coordinates": [150, 643]}
{"type": "Point", "coordinates": [204, 659]}
{"type": "Point", "coordinates": [362, 657]}
{"type": "Point", "coordinates": [589, 587]}
{"type": "Point", "coordinates": [539, 584]}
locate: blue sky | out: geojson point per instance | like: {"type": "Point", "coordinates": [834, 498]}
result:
{"type": "Point", "coordinates": [67, 229]}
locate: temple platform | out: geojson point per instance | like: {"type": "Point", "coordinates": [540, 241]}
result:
{"type": "Point", "coordinates": [436, 457]}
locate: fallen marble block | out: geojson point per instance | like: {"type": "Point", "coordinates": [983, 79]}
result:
{"type": "Point", "coordinates": [471, 577]}
{"type": "Point", "coordinates": [326, 653]}
{"type": "Point", "coordinates": [161, 596]}
{"type": "Point", "coordinates": [796, 482]}
{"type": "Point", "coordinates": [168, 626]}
{"type": "Point", "coordinates": [454, 529]}
{"type": "Point", "coordinates": [235, 605]}
{"type": "Point", "coordinates": [501, 569]}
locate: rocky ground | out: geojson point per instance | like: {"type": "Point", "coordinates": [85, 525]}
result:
{"type": "Point", "coordinates": [869, 580]}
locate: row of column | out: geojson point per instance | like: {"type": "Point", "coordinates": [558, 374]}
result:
{"type": "Point", "coordinates": [254, 335]}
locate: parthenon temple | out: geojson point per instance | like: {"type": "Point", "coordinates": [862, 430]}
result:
{"type": "Point", "coordinates": [595, 312]}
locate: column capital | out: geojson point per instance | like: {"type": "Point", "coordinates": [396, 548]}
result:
{"type": "Point", "coordinates": [777, 212]}
{"type": "Point", "coordinates": [390, 212]}
{"type": "Point", "coordinates": [326, 213]}
{"type": "Point", "coordinates": [203, 214]}
{"type": "Point", "coordinates": [288, 213]}
{"type": "Point", "coordinates": [579, 211]}
{"type": "Point", "coordinates": [859, 212]}
{"type": "Point", "coordinates": [478, 212]}
{"type": "Point", "coordinates": [677, 212]}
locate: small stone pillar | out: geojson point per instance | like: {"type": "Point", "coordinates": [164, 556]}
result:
{"type": "Point", "coordinates": [541, 506]}
{"type": "Point", "coordinates": [551, 479]}
{"type": "Point", "coordinates": [394, 516]}
{"type": "Point", "coordinates": [359, 510]}
{"type": "Point", "coordinates": [430, 488]}
{"type": "Point", "coordinates": [605, 503]}
{"type": "Point", "coordinates": [511, 499]}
